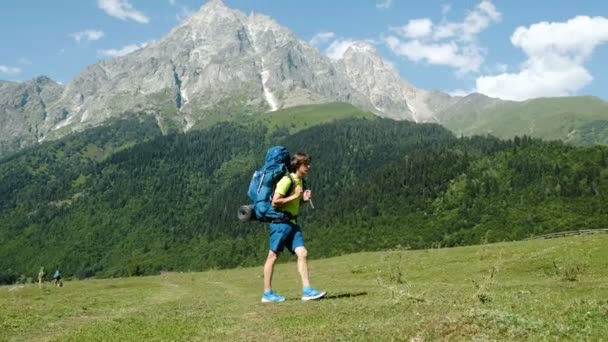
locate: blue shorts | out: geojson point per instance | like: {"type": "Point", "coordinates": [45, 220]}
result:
{"type": "Point", "coordinates": [285, 235]}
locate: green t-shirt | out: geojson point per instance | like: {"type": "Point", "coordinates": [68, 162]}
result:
{"type": "Point", "coordinates": [292, 207]}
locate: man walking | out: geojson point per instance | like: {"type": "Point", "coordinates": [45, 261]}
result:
{"type": "Point", "coordinates": [287, 233]}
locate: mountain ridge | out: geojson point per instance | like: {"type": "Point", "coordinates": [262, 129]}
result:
{"type": "Point", "coordinates": [221, 61]}
{"type": "Point", "coordinates": [217, 61]}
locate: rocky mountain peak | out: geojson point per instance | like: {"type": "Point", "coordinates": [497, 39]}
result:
{"type": "Point", "coordinates": [361, 47]}
{"type": "Point", "coordinates": [221, 61]}
{"type": "Point", "coordinates": [214, 4]}
{"type": "Point", "coordinates": [215, 9]}
{"type": "Point", "coordinates": [42, 79]}
{"type": "Point", "coordinates": [390, 95]}
{"type": "Point", "coordinates": [213, 16]}
{"type": "Point", "coordinates": [23, 107]}
{"type": "Point", "coordinates": [365, 55]}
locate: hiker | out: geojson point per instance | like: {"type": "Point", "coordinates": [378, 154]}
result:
{"type": "Point", "coordinates": [287, 233]}
{"type": "Point", "coordinates": [57, 277]}
{"type": "Point", "coordinates": [40, 277]}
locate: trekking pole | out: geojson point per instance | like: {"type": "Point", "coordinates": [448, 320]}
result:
{"type": "Point", "coordinates": [310, 201]}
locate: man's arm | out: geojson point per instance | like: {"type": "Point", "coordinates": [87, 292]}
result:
{"type": "Point", "coordinates": [279, 199]}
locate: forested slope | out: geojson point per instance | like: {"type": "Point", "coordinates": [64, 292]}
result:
{"type": "Point", "coordinates": [102, 204]}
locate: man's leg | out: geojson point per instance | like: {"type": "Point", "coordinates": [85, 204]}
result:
{"type": "Point", "coordinates": [268, 269]}
{"type": "Point", "coordinates": [302, 254]}
{"type": "Point", "coordinates": [308, 292]}
{"type": "Point", "coordinates": [269, 295]}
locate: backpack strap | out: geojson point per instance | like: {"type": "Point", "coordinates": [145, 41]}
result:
{"type": "Point", "coordinates": [288, 217]}
{"type": "Point", "coordinates": [292, 183]}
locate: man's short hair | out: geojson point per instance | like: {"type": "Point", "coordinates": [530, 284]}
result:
{"type": "Point", "coordinates": [298, 159]}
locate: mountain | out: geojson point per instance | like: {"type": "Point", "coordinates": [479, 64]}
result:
{"type": "Point", "coordinates": [221, 63]}
{"type": "Point", "coordinates": [581, 120]}
{"type": "Point", "coordinates": [391, 96]}
{"type": "Point", "coordinates": [218, 61]}
{"type": "Point", "coordinates": [23, 109]}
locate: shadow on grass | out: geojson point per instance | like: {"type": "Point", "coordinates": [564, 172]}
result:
{"type": "Point", "coordinates": [338, 296]}
{"type": "Point", "coordinates": [346, 295]}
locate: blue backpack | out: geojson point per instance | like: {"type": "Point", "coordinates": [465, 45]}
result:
{"type": "Point", "coordinates": [261, 188]}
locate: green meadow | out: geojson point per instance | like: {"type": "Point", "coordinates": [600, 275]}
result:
{"type": "Point", "coordinates": [533, 290]}
{"type": "Point", "coordinates": [301, 117]}
{"type": "Point", "coordinates": [579, 120]}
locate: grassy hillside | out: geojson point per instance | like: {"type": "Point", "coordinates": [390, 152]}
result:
{"type": "Point", "coordinates": [532, 290]}
{"type": "Point", "coordinates": [298, 118]}
{"type": "Point", "coordinates": [290, 119]}
{"type": "Point", "coordinates": [578, 120]}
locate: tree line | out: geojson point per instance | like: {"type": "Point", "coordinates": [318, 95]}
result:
{"type": "Point", "coordinates": [123, 200]}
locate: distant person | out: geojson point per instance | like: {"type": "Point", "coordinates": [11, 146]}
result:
{"type": "Point", "coordinates": [287, 233]}
{"type": "Point", "coordinates": [41, 277]}
{"type": "Point", "coordinates": [57, 277]}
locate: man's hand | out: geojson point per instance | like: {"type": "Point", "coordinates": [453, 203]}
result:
{"type": "Point", "coordinates": [307, 195]}
{"type": "Point", "coordinates": [278, 200]}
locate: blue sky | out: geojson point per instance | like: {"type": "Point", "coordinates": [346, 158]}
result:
{"type": "Point", "coordinates": [513, 49]}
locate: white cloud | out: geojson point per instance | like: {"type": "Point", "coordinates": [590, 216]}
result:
{"type": "Point", "coordinates": [122, 9]}
{"type": "Point", "coordinates": [576, 37]}
{"type": "Point", "coordinates": [88, 35]}
{"type": "Point", "coordinates": [476, 21]}
{"type": "Point", "coordinates": [338, 47]}
{"type": "Point", "coordinates": [465, 59]}
{"type": "Point", "coordinates": [459, 92]}
{"type": "Point", "coordinates": [384, 4]}
{"type": "Point", "coordinates": [452, 44]}
{"type": "Point", "coordinates": [125, 50]}
{"type": "Point", "coordinates": [321, 38]}
{"type": "Point", "coordinates": [416, 28]}
{"type": "Point", "coordinates": [535, 82]}
{"type": "Point", "coordinates": [4, 69]}
{"type": "Point", "coordinates": [556, 53]}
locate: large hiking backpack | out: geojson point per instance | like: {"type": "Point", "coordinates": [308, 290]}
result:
{"type": "Point", "coordinates": [261, 188]}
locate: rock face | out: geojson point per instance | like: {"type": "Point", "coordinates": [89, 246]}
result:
{"type": "Point", "coordinates": [216, 62]}
{"type": "Point", "coordinates": [23, 109]}
{"type": "Point", "coordinates": [391, 96]}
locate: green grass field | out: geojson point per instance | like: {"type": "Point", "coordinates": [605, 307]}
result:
{"type": "Point", "coordinates": [533, 290]}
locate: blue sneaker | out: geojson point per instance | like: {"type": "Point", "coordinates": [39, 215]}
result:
{"type": "Point", "coordinates": [270, 297]}
{"type": "Point", "coordinates": [308, 293]}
